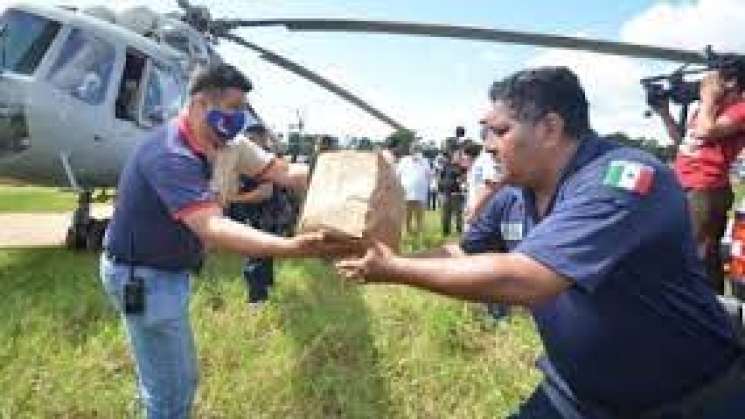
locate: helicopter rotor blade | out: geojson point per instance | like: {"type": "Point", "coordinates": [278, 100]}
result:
{"type": "Point", "coordinates": [474, 33]}
{"type": "Point", "coordinates": [312, 76]}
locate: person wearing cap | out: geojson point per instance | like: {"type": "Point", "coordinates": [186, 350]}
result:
{"type": "Point", "coordinates": [165, 215]}
{"type": "Point", "coordinates": [267, 207]}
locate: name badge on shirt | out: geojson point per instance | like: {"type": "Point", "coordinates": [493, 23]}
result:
{"type": "Point", "coordinates": [512, 231]}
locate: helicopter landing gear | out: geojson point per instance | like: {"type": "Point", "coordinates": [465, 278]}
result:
{"type": "Point", "coordinates": [85, 232]}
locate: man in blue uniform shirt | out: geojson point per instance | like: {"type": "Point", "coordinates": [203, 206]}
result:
{"type": "Point", "coordinates": [595, 240]}
{"type": "Point", "coordinates": [165, 213]}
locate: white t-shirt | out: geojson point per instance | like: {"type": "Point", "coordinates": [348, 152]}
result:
{"type": "Point", "coordinates": [484, 169]}
{"type": "Point", "coordinates": [241, 156]}
{"type": "Point", "coordinates": [414, 173]}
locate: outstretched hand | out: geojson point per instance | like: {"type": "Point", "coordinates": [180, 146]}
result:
{"type": "Point", "coordinates": [325, 244]}
{"type": "Point", "coordinates": [373, 267]}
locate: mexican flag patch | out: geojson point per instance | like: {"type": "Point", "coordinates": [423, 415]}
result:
{"type": "Point", "coordinates": [630, 175]}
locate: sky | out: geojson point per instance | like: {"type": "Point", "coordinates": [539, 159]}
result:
{"type": "Point", "coordinates": [431, 85]}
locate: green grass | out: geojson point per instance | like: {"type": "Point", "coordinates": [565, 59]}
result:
{"type": "Point", "coordinates": [321, 348]}
{"type": "Point", "coordinates": [35, 199]}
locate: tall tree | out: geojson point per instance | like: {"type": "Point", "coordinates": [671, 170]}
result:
{"type": "Point", "coordinates": [404, 138]}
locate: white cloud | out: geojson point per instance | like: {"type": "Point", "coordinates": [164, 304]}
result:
{"type": "Point", "coordinates": [690, 25]}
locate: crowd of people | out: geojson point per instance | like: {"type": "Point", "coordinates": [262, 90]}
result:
{"type": "Point", "coordinates": [459, 180]}
{"type": "Point", "coordinates": [595, 240]}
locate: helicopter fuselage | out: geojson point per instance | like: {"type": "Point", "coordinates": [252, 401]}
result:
{"type": "Point", "coordinates": [78, 94]}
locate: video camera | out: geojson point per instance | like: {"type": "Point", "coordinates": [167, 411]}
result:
{"type": "Point", "coordinates": [674, 86]}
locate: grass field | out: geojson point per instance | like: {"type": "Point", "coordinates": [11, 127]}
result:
{"type": "Point", "coordinates": [321, 348]}
{"type": "Point", "coordinates": [35, 199]}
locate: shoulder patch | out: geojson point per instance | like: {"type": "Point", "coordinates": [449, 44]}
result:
{"type": "Point", "coordinates": [629, 175]}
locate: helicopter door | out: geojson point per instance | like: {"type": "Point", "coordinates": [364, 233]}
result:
{"type": "Point", "coordinates": [77, 115]}
{"type": "Point", "coordinates": [127, 129]}
{"type": "Point", "coordinates": [150, 93]}
{"type": "Point", "coordinates": [126, 107]}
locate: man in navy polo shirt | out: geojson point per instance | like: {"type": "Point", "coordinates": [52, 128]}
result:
{"type": "Point", "coordinates": [594, 239]}
{"type": "Point", "coordinates": [165, 213]}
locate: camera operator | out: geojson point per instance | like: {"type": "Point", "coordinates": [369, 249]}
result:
{"type": "Point", "coordinates": [713, 139]}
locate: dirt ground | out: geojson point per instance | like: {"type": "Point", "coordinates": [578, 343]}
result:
{"type": "Point", "coordinates": [39, 230]}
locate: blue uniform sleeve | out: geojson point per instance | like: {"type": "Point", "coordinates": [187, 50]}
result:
{"type": "Point", "coordinates": [180, 182]}
{"type": "Point", "coordinates": [591, 232]}
{"type": "Point", "coordinates": [484, 234]}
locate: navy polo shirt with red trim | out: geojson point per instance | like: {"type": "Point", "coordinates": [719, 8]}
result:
{"type": "Point", "coordinates": [165, 179]}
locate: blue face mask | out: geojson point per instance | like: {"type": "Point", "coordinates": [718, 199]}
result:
{"type": "Point", "coordinates": [227, 125]}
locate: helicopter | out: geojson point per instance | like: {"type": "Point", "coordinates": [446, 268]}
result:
{"type": "Point", "coordinates": [79, 88]}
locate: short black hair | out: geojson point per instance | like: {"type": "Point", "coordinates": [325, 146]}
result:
{"type": "Point", "coordinates": [471, 149]}
{"type": "Point", "coordinates": [460, 132]}
{"type": "Point", "coordinates": [535, 92]}
{"type": "Point", "coordinates": [731, 67]}
{"type": "Point", "coordinates": [218, 77]}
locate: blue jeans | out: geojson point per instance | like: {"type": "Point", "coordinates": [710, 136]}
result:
{"type": "Point", "coordinates": [259, 275]}
{"type": "Point", "coordinates": [161, 338]}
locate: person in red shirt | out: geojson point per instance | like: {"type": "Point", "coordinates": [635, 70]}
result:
{"type": "Point", "coordinates": [713, 139]}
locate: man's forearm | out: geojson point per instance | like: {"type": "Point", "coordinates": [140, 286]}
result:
{"type": "Point", "coordinates": [712, 126]}
{"type": "Point", "coordinates": [298, 176]}
{"type": "Point", "coordinates": [293, 176]}
{"type": "Point", "coordinates": [489, 277]}
{"type": "Point", "coordinates": [706, 119]}
{"type": "Point", "coordinates": [258, 195]}
{"type": "Point", "coordinates": [230, 235]}
{"type": "Point", "coordinates": [445, 251]}
{"type": "Point", "coordinates": [671, 127]}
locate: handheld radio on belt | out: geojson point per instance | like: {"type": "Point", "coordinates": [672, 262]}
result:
{"type": "Point", "coordinates": [134, 288]}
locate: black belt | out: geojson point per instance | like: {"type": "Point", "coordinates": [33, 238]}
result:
{"type": "Point", "coordinates": [714, 390]}
{"type": "Point", "coordinates": [688, 406]}
{"type": "Point", "coordinates": [116, 259]}
{"type": "Point", "coordinates": [126, 261]}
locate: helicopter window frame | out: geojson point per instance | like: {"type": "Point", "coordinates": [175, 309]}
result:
{"type": "Point", "coordinates": [157, 68]}
{"type": "Point", "coordinates": [38, 33]}
{"type": "Point", "coordinates": [85, 81]}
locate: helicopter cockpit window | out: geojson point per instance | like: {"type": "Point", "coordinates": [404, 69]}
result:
{"type": "Point", "coordinates": [83, 67]}
{"type": "Point", "coordinates": [24, 39]}
{"type": "Point", "coordinates": [127, 101]}
{"type": "Point", "coordinates": [163, 95]}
